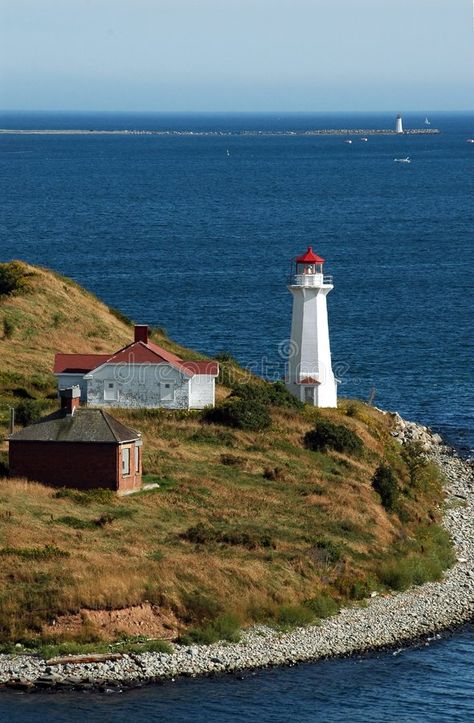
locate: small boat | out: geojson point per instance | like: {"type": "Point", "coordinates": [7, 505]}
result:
{"type": "Point", "coordinates": [227, 152]}
{"type": "Point", "coordinates": [349, 141]}
{"type": "Point", "coordinates": [364, 139]}
{"type": "Point", "coordinates": [470, 140]}
{"type": "Point", "coordinates": [403, 160]}
{"type": "Point", "coordinates": [427, 122]}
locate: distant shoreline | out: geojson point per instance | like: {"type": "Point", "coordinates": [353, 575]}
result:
{"type": "Point", "coordinates": [323, 132]}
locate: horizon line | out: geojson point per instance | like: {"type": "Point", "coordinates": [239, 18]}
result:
{"type": "Point", "coordinates": [231, 112]}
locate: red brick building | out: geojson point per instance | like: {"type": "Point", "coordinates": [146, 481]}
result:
{"type": "Point", "coordinates": [78, 447]}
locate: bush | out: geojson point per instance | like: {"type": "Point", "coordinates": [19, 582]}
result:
{"type": "Point", "coordinates": [29, 411]}
{"type": "Point", "coordinates": [199, 607]}
{"type": "Point", "coordinates": [269, 394]}
{"type": "Point", "coordinates": [13, 278]}
{"type": "Point", "coordinates": [290, 616]}
{"type": "Point", "coordinates": [200, 534]}
{"type": "Point", "coordinates": [4, 468]}
{"type": "Point", "coordinates": [323, 606]}
{"type": "Point", "coordinates": [416, 463]}
{"type": "Point", "coordinates": [88, 497]}
{"type": "Point", "coordinates": [48, 552]}
{"type": "Point", "coordinates": [385, 484]}
{"type": "Point", "coordinates": [326, 551]}
{"type": "Point", "coordinates": [327, 435]}
{"type": "Point", "coordinates": [8, 328]}
{"type": "Point", "coordinates": [247, 414]}
{"type": "Point", "coordinates": [225, 627]}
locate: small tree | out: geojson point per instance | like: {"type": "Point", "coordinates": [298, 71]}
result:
{"type": "Point", "coordinates": [385, 484]}
{"type": "Point", "coordinates": [327, 435]}
{"type": "Point", "coordinates": [13, 278]}
{"type": "Point", "coordinates": [28, 411]}
{"type": "Point", "coordinates": [248, 414]}
{"type": "Point", "coordinates": [415, 461]}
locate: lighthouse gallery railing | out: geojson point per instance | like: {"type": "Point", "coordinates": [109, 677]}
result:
{"type": "Point", "coordinates": [310, 280]}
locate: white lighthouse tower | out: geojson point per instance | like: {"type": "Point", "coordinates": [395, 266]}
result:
{"type": "Point", "coordinates": [309, 372]}
{"type": "Point", "coordinates": [399, 124]}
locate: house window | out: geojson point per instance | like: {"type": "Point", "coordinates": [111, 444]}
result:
{"type": "Point", "coordinates": [110, 391]}
{"type": "Point", "coordinates": [125, 461]}
{"type": "Point", "coordinates": [137, 458]}
{"type": "Point", "coordinates": [167, 391]}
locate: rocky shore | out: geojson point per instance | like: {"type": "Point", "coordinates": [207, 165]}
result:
{"type": "Point", "coordinates": [385, 621]}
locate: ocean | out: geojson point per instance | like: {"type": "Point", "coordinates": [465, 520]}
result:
{"type": "Point", "coordinates": [196, 234]}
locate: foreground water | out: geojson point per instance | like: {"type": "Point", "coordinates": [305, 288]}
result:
{"type": "Point", "coordinates": [432, 683]}
{"type": "Point", "coordinates": [196, 235]}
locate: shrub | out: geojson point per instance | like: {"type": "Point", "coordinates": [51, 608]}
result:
{"type": "Point", "coordinates": [48, 552]}
{"type": "Point", "coordinates": [385, 484]}
{"type": "Point", "coordinates": [13, 278]}
{"type": "Point", "coordinates": [200, 534]}
{"type": "Point", "coordinates": [224, 627]}
{"type": "Point", "coordinates": [274, 473]}
{"type": "Point", "coordinates": [327, 435]}
{"type": "Point", "coordinates": [416, 463]}
{"type": "Point", "coordinates": [88, 497]}
{"type": "Point", "coordinates": [232, 460]}
{"type": "Point", "coordinates": [323, 606]}
{"type": "Point", "coordinates": [247, 414]}
{"type": "Point", "coordinates": [28, 411]}
{"type": "Point", "coordinates": [270, 394]}
{"type": "Point", "coordinates": [326, 551]}
{"type": "Point", "coordinates": [199, 607]}
{"type": "Point", "coordinates": [4, 468]}
{"type": "Point", "coordinates": [290, 616]}
{"type": "Point", "coordinates": [8, 328]}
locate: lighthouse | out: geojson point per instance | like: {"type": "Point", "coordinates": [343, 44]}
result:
{"type": "Point", "coordinates": [399, 124]}
{"type": "Point", "coordinates": [309, 371]}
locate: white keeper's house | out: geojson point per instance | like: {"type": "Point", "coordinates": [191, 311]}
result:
{"type": "Point", "coordinates": [140, 374]}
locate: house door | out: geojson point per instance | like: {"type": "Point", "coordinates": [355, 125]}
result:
{"type": "Point", "coordinates": [110, 391]}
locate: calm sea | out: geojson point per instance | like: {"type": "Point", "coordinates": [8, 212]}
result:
{"type": "Point", "coordinates": [196, 234]}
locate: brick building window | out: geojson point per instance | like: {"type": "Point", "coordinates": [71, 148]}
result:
{"type": "Point", "coordinates": [126, 460]}
{"type": "Point", "coordinates": [137, 458]}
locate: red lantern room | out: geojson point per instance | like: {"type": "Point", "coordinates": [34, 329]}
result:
{"type": "Point", "coordinates": [309, 263]}
{"type": "Point", "coordinates": [307, 270]}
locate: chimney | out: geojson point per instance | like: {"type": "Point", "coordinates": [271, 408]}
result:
{"type": "Point", "coordinates": [70, 399]}
{"type": "Point", "coordinates": [141, 333]}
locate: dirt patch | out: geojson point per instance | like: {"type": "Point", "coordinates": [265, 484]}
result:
{"type": "Point", "coordinates": [145, 619]}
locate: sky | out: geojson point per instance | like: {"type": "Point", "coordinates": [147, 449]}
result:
{"type": "Point", "coordinates": [236, 55]}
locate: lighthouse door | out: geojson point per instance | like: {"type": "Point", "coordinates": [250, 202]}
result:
{"type": "Point", "coordinates": [309, 395]}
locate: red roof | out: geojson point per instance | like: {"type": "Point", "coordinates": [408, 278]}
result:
{"type": "Point", "coordinates": [308, 380]}
{"type": "Point", "coordinates": [135, 353]}
{"type": "Point", "coordinates": [309, 257]}
{"type": "Point", "coordinates": [78, 363]}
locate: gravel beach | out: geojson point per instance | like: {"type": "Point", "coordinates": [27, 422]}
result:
{"type": "Point", "coordinates": [385, 621]}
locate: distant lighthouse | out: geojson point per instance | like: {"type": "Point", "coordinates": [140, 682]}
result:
{"type": "Point", "coordinates": [309, 373]}
{"type": "Point", "coordinates": [399, 124]}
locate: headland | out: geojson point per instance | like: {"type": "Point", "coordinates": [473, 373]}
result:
{"type": "Point", "coordinates": [384, 621]}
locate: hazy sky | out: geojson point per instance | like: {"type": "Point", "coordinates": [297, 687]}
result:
{"type": "Point", "coordinates": [243, 55]}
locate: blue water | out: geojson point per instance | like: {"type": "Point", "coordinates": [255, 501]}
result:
{"type": "Point", "coordinates": [178, 234]}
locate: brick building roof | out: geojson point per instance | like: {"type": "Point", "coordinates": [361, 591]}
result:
{"type": "Point", "coordinates": [85, 425]}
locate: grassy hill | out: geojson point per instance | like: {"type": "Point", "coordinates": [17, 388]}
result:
{"type": "Point", "coordinates": [248, 523]}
